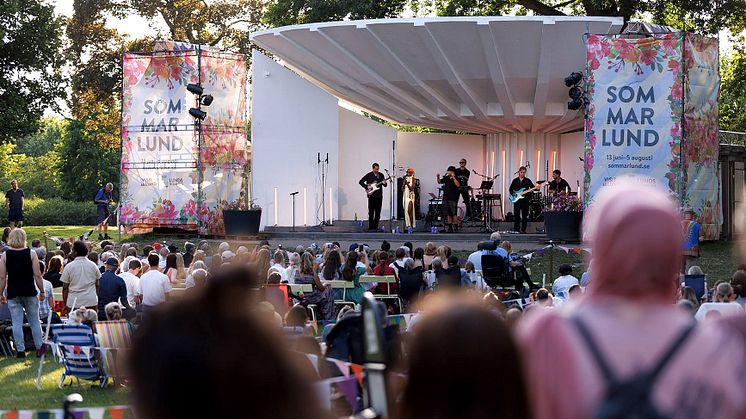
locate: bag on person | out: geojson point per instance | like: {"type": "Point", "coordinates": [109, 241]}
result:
{"type": "Point", "coordinates": [629, 398]}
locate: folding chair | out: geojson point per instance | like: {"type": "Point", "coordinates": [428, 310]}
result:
{"type": "Point", "coordinates": [299, 290]}
{"type": "Point", "coordinates": [77, 347]}
{"type": "Point", "coordinates": [697, 282]}
{"type": "Point", "coordinates": [344, 286]}
{"type": "Point", "coordinates": [384, 279]}
{"type": "Point", "coordinates": [114, 336]}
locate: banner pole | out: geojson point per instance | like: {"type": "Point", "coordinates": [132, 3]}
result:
{"type": "Point", "coordinates": [198, 126]}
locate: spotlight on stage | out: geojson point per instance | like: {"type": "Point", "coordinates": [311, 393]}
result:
{"type": "Point", "coordinates": [575, 92]}
{"type": "Point", "coordinates": [198, 114]}
{"type": "Point", "coordinates": [571, 80]}
{"type": "Point", "coordinates": [206, 100]}
{"type": "Point", "coordinates": [575, 104]}
{"type": "Point", "coordinates": [197, 89]}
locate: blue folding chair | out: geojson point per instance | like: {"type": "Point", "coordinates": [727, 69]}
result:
{"type": "Point", "coordinates": [697, 282]}
{"type": "Point", "coordinates": [80, 363]}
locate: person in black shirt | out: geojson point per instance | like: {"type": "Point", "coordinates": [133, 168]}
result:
{"type": "Point", "coordinates": [558, 184]}
{"type": "Point", "coordinates": [462, 174]}
{"type": "Point", "coordinates": [450, 196]}
{"type": "Point", "coordinates": [520, 207]}
{"type": "Point", "coordinates": [375, 199]}
{"type": "Point", "coordinates": [14, 200]}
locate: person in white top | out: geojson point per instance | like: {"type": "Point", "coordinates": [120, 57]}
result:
{"type": "Point", "coordinates": [154, 286]}
{"type": "Point", "coordinates": [131, 279]}
{"type": "Point", "coordinates": [80, 280]}
{"type": "Point", "coordinates": [278, 265]}
{"type": "Point", "coordinates": [722, 304]}
{"type": "Point", "coordinates": [561, 285]}
{"type": "Point", "coordinates": [292, 267]}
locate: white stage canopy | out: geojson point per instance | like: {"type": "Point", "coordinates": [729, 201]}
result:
{"type": "Point", "coordinates": [473, 74]}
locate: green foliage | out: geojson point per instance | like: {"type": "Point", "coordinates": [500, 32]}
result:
{"type": "Point", "coordinates": [85, 164]}
{"type": "Point", "coordinates": [44, 140]}
{"type": "Point", "coordinates": [38, 211]}
{"type": "Point", "coordinates": [733, 90]}
{"type": "Point", "coordinates": [290, 12]}
{"type": "Point", "coordinates": [30, 63]}
{"type": "Point", "coordinates": [36, 175]}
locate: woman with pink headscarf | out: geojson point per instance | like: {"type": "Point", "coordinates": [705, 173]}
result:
{"type": "Point", "coordinates": [629, 316]}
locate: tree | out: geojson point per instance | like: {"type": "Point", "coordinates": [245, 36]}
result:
{"type": "Point", "coordinates": [44, 140]}
{"type": "Point", "coordinates": [31, 82]}
{"type": "Point", "coordinates": [702, 16]}
{"type": "Point", "coordinates": [291, 12]}
{"type": "Point", "coordinates": [733, 90]}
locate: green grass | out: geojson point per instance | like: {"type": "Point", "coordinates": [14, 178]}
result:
{"type": "Point", "coordinates": [37, 232]}
{"type": "Point", "coordinates": [18, 387]}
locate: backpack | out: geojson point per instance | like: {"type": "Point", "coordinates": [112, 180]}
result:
{"type": "Point", "coordinates": [629, 398]}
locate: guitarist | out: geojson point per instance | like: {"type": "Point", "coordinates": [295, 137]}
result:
{"type": "Point", "coordinates": [375, 199]}
{"type": "Point", "coordinates": [520, 207]}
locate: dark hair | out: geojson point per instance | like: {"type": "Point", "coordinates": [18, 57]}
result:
{"type": "Point", "coordinates": [170, 262]}
{"type": "Point", "coordinates": [153, 259]}
{"type": "Point", "coordinates": [573, 288]}
{"type": "Point", "coordinates": [418, 254]}
{"type": "Point", "coordinates": [453, 261]}
{"type": "Point", "coordinates": [542, 294]}
{"type": "Point", "coordinates": [206, 331]}
{"type": "Point", "coordinates": [557, 171]}
{"type": "Point", "coordinates": [6, 233]}
{"type": "Point", "coordinates": [35, 243]}
{"type": "Point", "coordinates": [296, 316]}
{"type": "Point", "coordinates": [93, 257]}
{"type": "Point", "coordinates": [131, 251]}
{"type": "Point", "coordinates": [146, 250]}
{"type": "Point", "coordinates": [522, 168]}
{"type": "Point", "coordinates": [80, 248]}
{"type": "Point", "coordinates": [135, 264]}
{"type": "Point", "coordinates": [565, 269]}
{"type": "Point", "coordinates": [409, 245]}
{"type": "Point", "coordinates": [332, 264]}
{"type": "Point", "coordinates": [400, 253]}
{"type": "Point", "coordinates": [738, 281]}
{"type": "Point", "coordinates": [374, 165]}
{"type": "Point", "coordinates": [348, 272]}
{"type": "Point", "coordinates": [385, 246]}
{"type": "Point", "coordinates": [65, 248]}
{"type": "Point", "coordinates": [458, 381]}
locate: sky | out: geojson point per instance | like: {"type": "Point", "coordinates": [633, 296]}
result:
{"type": "Point", "coordinates": [135, 26]}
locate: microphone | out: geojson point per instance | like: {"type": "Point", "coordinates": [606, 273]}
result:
{"type": "Point", "coordinates": [580, 158]}
{"type": "Point", "coordinates": [294, 193]}
{"type": "Point", "coordinates": [528, 164]}
{"type": "Point", "coordinates": [318, 157]}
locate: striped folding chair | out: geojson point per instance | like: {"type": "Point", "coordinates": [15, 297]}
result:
{"type": "Point", "coordinates": [115, 336]}
{"type": "Point", "coordinates": [77, 347]}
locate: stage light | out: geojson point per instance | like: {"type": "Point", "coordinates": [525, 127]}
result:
{"type": "Point", "coordinates": [574, 104]}
{"type": "Point", "coordinates": [573, 79]}
{"type": "Point", "coordinates": [575, 92]}
{"type": "Point", "coordinates": [195, 89]}
{"type": "Point", "coordinates": [206, 100]}
{"type": "Point", "coordinates": [198, 114]}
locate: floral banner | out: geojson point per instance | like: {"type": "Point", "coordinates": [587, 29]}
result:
{"type": "Point", "coordinates": [701, 145]}
{"type": "Point", "coordinates": [172, 173]}
{"type": "Point", "coordinates": [633, 124]}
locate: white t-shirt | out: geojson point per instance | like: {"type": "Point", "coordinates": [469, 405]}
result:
{"type": "Point", "coordinates": [131, 281]}
{"type": "Point", "coordinates": [153, 287]}
{"type": "Point", "coordinates": [723, 309]}
{"type": "Point", "coordinates": [280, 270]}
{"type": "Point", "coordinates": [126, 263]}
{"type": "Point", "coordinates": [81, 274]}
{"type": "Point", "coordinates": [561, 285]}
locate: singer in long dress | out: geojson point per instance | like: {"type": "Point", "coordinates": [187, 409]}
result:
{"type": "Point", "coordinates": [410, 186]}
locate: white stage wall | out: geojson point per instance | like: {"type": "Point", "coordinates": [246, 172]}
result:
{"type": "Point", "coordinates": [362, 141]}
{"type": "Point", "coordinates": [292, 121]}
{"type": "Point", "coordinates": [572, 146]}
{"type": "Point", "coordinates": [430, 153]}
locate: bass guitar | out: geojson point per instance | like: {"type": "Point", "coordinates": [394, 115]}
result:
{"type": "Point", "coordinates": [374, 186]}
{"type": "Point", "coordinates": [521, 193]}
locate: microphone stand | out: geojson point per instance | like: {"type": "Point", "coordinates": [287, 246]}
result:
{"type": "Point", "coordinates": [292, 195]}
{"type": "Point", "coordinates": [323, 166]}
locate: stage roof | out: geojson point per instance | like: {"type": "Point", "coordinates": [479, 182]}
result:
{"type": "Point", "coordinates": [473, 74]}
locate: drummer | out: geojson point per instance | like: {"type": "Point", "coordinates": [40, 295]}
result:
{"type": "Point", "coordinates": [462, 174]}
{"type": "Point", "coordinates": [558, 184]}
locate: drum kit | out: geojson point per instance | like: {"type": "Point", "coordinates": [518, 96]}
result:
{"type": "Point", "coordinates": [480, 207]}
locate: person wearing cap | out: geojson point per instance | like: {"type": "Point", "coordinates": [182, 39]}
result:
{"type": "Point", "coordinates": [692, 235]}
{"type": "Point", "coordinates": [111, 288]}
{"type": "Point", "coordinates": [451, 193]}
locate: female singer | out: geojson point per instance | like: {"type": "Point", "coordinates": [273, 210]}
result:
{"type": "Point", "coordinates": [410, 185]}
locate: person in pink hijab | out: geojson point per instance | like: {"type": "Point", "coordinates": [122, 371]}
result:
{"type": "Point", "coordinates": [629, 314]}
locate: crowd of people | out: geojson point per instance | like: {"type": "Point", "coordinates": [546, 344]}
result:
{"type": "Point", "coordinates": [626, 339]}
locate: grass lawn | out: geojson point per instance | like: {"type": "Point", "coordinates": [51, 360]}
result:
{"type": "Point", "coordinates": [18, 387]}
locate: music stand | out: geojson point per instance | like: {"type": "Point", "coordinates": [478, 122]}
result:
{"type": "Point", "coordinates": [486, 184]}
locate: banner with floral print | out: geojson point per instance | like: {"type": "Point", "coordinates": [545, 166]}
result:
{"type": "Point", "coordinates": [633, 125]}
{"type": "Point", "coordinates": [701, 145]}
{"type": "Point", "coordinates": [173, 174]}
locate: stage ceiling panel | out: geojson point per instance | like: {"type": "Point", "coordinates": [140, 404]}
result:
{"type": "Point", "coordinates": [472, 74]}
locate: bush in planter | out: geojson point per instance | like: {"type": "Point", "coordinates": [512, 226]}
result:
{"type": "Point", "coordinates": [57, 211]}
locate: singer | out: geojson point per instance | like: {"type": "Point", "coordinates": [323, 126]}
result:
{"type": "Point", "coordinates": [372, 182]}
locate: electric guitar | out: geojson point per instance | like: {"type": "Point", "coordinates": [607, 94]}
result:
{"type": "Point", "coordinates": [520, 193]}
{"type": "Point", "coordinates": [374, 186]}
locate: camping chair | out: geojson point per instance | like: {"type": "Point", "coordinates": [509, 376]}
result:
{"type": "Point", "coordinates": [77, 347]}
{"type": "Point", "coordinates": [697, 282]}
{"type": "Point", "coordinates": [495, 272]}
{"type": "Point", "coordinates": [388, 280]}
{"type": "Point", "coordinates": [279, 296]}
{"type": "Point", "coordinates": [344, 286]}
{"type": "Point", "coordinates": [114, 336]}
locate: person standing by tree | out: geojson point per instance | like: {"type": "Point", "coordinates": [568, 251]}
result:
{"type": "Point", "coordinates": [103, 199]}
{"type": "Point", "coordinates": [692, 235]}
{"type": "Point", "coordinates": [14, 200]}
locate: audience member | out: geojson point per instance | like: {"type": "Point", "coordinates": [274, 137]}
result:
{"type": "Point", "coordinates": [738, 281]}
{"type": "Point", "coordinates": [80, 279]}
{"type": "Point", "coordinates": [111, 288]}
{"type": "Point", "coordinates": [476, 257]}
{"type": "Point", "coordinates": [627, 322]}
{"type": "Point", "coordinates": [351, 272]}
{"type": "Point", "coordinates": [188, 254]}
{"type": "Point", "coordinates": [131, 280]}
{"type": "Point", "coordinates": [170, 269]}
{"type": "Point", "coordinates": [278, 265]}
{"type": "Point", "coordinates": [321, 294]}
{"type": "Point", "coordinates": [293, 263]}
{"type": "Point", "coordinates": [113, 311]}
{"type": "Point", "coordinates": [54, 271]}
{"type": "Point", "coordinates": [154, 287]}
{"type": "Point", "coordinates": [22, 288]}
{"type": "Point", "coordinates": [430, 254]}
{"type": "Point", "coordinates": [562, 284]}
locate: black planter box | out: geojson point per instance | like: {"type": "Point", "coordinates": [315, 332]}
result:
{"type": "Point", "coordinates": [563, 225]}
{"type": "Point", "coordinates": [242, 222]}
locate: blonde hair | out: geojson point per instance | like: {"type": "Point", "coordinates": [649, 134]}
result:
{"type": "Point", "coordinates": [430, 249]}
{"type": "Point", "coordinates": [180, 269]}
{"type": "Point", "coordinates": [17, 238]}
{"type": "Point", "coordinates": [113, 311]}
{"type": "Point", "coordinates": [507, 246]}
